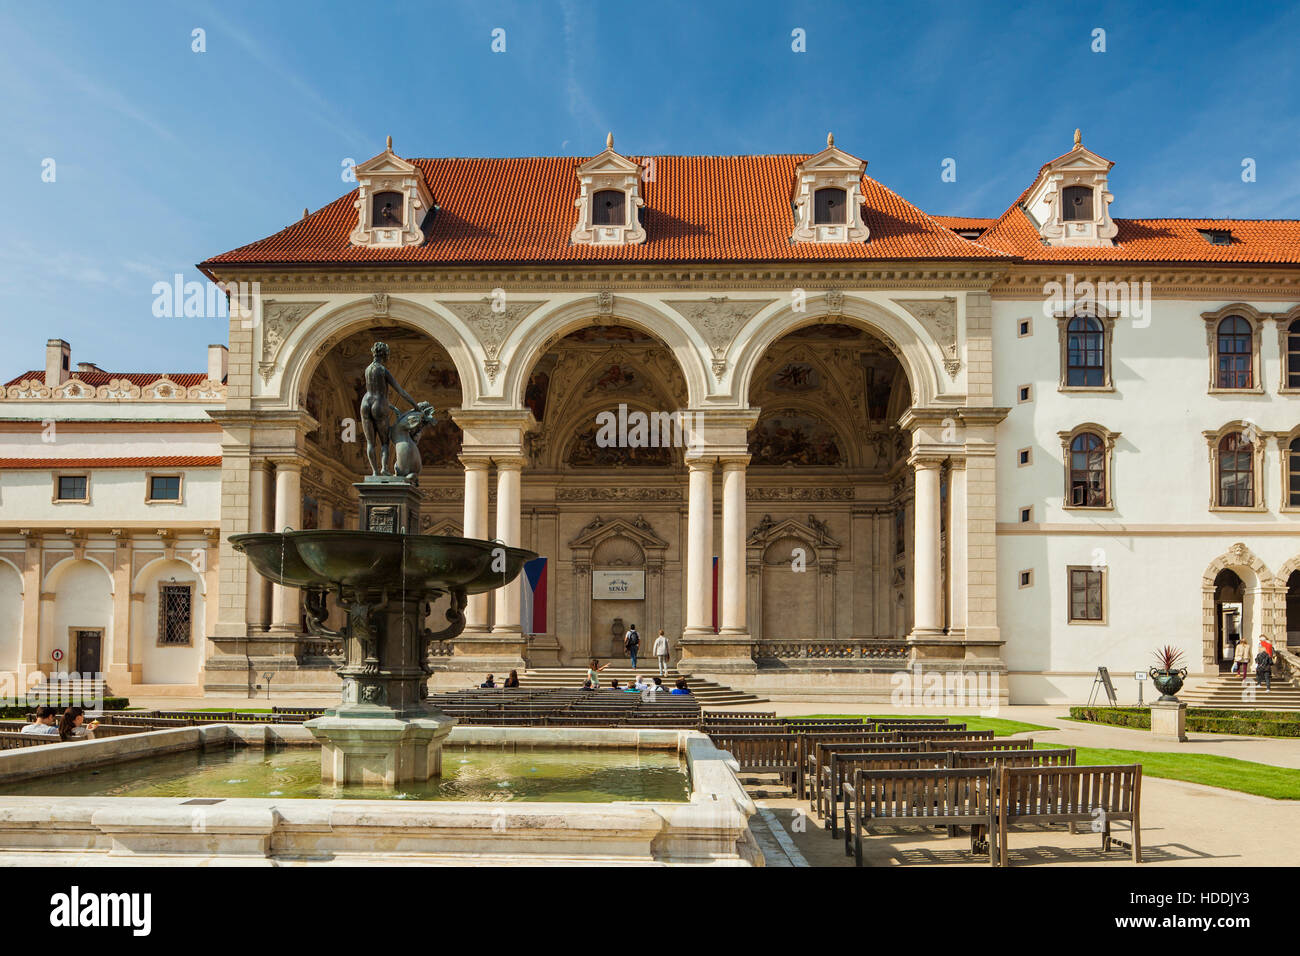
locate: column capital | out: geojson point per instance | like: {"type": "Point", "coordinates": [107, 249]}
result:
{"type": "Point", "coordinates": [925, 462]}
{"type": "Point", "coordinates": [733, 462]}
{"type": "Point", "coordinates": [700, 463]}
{"type": "Point", "coordinates": [475, 462]}
{"type": "Point", "coordinates": [957, 464]}
{"type": "Point", "coordinates": [509, 462]}
{"type": "Point", "coordinates": [286, 462]}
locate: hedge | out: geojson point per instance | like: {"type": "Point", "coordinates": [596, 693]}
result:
{"type": "Point", "coordinates": [1254, 723]}
{"type": "Point", "coordinates": [18, 711]}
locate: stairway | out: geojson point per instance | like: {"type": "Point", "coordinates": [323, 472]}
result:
{"type": "Point", "coordinates": [61, 692]}
{"type": "Point", "coordinates": [1225, 691]}
{"type": "Point", "coordinates": [708, 693]}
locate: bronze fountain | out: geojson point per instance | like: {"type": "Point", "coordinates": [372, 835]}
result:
{"type": "Point", "coordinates": [386, 577]}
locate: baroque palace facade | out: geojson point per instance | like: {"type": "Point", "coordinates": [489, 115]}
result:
{"type": "Point", "coordinates": [1021, 447]}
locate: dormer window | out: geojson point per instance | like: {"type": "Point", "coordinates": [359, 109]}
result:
{"type": "Point", "coordinates": [1216, 237]}
{"type": "Point", "coordinates": [387, 209]}
{"type": "Point", "coordinates": [1076, 205]}
{"type": "Point", "coordinates": [609, 200]}
{"type": "Point", "coordinates": [392, 202]}
{"type": "Point", "coordinates": [1069, 202]}
{"type": "Point", "coordinates": [827, 197]}
{"type": "Point", "coordinates": [830, 207]}
{"type": "Point", "coordinates": [607, 208]}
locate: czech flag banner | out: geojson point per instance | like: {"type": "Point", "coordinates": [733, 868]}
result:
{"type": "Point", "coordinates": [532, 597]}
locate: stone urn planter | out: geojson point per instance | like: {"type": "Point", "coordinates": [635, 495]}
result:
{"type": "Point", "coordinates": [1169, 683]}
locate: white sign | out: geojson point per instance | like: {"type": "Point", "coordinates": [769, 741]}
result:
{"type": "Point", "coordinates": [1139, 675]}
{"type": "Point", "coordinates": [617, 585]}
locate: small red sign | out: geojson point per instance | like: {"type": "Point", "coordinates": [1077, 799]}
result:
{"type": "Point", "coordinates": [57, 654]}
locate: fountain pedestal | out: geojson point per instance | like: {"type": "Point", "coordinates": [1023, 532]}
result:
{"type": "Point", "coordinates": [379, 751]}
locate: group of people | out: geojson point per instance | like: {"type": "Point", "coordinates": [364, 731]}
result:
{"type": "Point", "coordinates": [642, 684]}
{"type": "Point", "coordinates": [70, 725]}
{"type": "Point", "coordinates": [632, 645]}
{"type": "Point", "coordinates": [1263, 662]}
{"type": "Point", "coordinates": [511, 681]}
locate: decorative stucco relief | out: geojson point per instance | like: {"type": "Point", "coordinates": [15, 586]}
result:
{"type": "Point", "coordinates": [718, 319]}
{"type": "Point", "coordinates": [939, 317]}
{"type": "Point", "coordinates": [279, 319]}
{"type": "Point", "coordinates": [491, 319]}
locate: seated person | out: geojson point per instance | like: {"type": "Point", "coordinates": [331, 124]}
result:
{"type": "Point", "coordinates": [44, 723]}
{"type": "Point", "coordinates": [613, 684]}
{"type": "Point", "coordinates": [489, 682]}
{"type": "Point", "coordinates": [512, 680]}
{"type": "Point", "coordinates": [681, 687]}
{"type": "Point", "coordinates": [73, 726]}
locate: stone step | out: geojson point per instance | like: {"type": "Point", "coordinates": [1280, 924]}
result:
{"type": "Point", "coordinates": [709, 693]}
{"type": "Point", "coordinates": [1225, 692]}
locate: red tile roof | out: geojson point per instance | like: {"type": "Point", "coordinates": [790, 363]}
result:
{"type": "Point", "coordinates": [697, 209]}
{"type": "Point", "coordinates": [963, 222]}
{"type": "Point", "coordinates": [96, 379]}
{"type": "Point", "coordinates": [1254, 241]}
{"type": "Point", "coordinates": [157, 461]}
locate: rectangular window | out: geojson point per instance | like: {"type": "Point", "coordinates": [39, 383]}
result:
{"type": "Point", "coordinates": [164, 487]}
{"type": "Point", "coordinates": [72, 487]}
{"type": "Point", "coordinates": [1026, 579]}
{"type": "Point", "coordinates": [1085, 595]}
{"type": "Point", "coordinates": [1024, 456]}
{"type": "Point", "coordinates": [1026, 515]}
{"type": "Point", "coordinates": [1024, 393]}
{"type": "Point", "coordinates": [174, 602]}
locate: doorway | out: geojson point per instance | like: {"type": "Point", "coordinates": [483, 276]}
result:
{"type": "Point", "coordinates": [88, 643]}
{"type": "Point", "coordinates": [1229, 611]}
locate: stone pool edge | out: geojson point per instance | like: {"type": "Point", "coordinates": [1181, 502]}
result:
{"type": "Point", "coordinates": [711, 828]}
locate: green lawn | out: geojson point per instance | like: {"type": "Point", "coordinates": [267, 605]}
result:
{"type": "Point", "coordinates": [1228, 773]}
{"type": "Point", "coordinates": [1000, 726]}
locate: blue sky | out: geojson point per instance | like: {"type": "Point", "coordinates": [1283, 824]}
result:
{"type": "Point", "coordinates": [164, 156]}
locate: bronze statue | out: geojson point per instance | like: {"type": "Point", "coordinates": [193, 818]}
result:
{"type": "Point", "coordinates": [406, 438]}
{"type": "Point", "coordinates": [376, 412]}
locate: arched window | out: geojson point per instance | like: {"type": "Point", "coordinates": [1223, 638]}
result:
{"type": "Point", "coordinates": [1076, 203]}
{"type": "Point", "coordinates": [1235, 351]}
{"type": "Point", "coordinates": [1236, 472]}
{"type": "Point", "coordinates": [1291, 368]}
{"type": "Point", "coordinates": [830, 207]}
{"type": "Point", "coordinates": [1293, 474]}
{"type": "Point", "coordinates": [1087, 471]}
{"type": "Point", "coordinates": [1085, 352]}
{"type": "Point", "coordinates": [386, 210]}
{"type": "Point", "coordinates": [607, 208]}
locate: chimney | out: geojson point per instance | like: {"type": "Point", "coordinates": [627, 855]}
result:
{"type": "Point", "coordinates": [58, 362]}
{"type": "Point", "coordinates": [218, 357]}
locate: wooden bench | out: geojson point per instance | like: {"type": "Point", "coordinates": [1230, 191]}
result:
{"type": "Point", "coordinates": [891, 722]}
{"type": "Point", "coordinates": [944, 735]}
{"type": "Point", "coordinates": [763, 753]}
{"type": "Point", "coordinates": [1092, 795]}
{"type": "Point", "coordinates": [922, 798]}
{"type": "Point", "coordinates": [1063, 757]}
{"type": "Point", "coordinates": [988, 743]}
{"type": "Point", "coordinates": [840, 766]}
{"type": "Point", "coordinates": [814, 746]}
{"type": "Point", "coordinates": [13, 740]}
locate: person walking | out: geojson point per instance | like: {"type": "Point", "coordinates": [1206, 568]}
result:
{"type": "Point", "coordinates": [1264, 668]}
{"type": "Point", "coordinates": [1241, 658]}
{"type": "Point", "coordinates": [661, 653]}
{"type": "Point", "coordinates": [632, 644]}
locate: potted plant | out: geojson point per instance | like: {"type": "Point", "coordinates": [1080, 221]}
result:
{"type": "Point", "coordinates": [1167, 675]}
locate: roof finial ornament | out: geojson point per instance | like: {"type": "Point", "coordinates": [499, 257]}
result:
{"type": "Point", "coordinates": [390, 143]}
{"type": "Point", "coordinates": [609, 140]}
{"type": "Point", "coordinates": [304, 212]}
{"type": "Point", "coordinates": [830, 140]}
{"type": "Point", "coordinates": [1078, 139]}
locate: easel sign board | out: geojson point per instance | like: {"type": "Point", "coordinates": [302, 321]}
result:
{"type": "Point", "coordinates": [1103, 678]}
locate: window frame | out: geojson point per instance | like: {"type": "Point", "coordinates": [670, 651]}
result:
{"type": "Point", "coordinates": [595, 196]}
{"type": "Point", "coordinates": [1288, 454]}
{"type": "Point", "coordinates": [844, 205]}
{"type": "Point", "coordinates": [54, 494]}
{"type": "Point", "coordinates": [1092, 202]}
{"type": "Point", "coordinates": [1107, 332]}
{"type": "Point", "coordinates": [1255, 319]}
{"type": "Point", "coordinates": [1285, 321]}
{"type": "Point", "coordinates": [162, 611]}
{"type": "Point", "coordinates": [374, 209]}
{"type": "Point", "coordinates": [149, 477]}
{"type": "Point", "coordinates": [1102, 576]}
{"type": "Point", "coordinates": [1213, 440]}
{"type": "Point", "coordinates": [1108, 439]}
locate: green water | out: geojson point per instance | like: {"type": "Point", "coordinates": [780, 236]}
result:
{"type": "Point", "coordinates": [478, 773]}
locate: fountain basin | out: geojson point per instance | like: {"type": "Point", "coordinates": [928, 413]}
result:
{"type": "Point", "coordinates": [710, 827]}
{"type": "Point", "coordinates": [375, 559]}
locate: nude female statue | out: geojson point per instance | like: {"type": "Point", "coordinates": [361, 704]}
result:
{"type": "Point", "coordinates": [376, 410]}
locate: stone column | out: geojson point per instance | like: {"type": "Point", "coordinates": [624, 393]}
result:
{"type": "Point", "coordinates": [508, 501]}
{"type": "Point", "coordinates": [699, 548]}
{"type": "Point", "coordinates": [926, 621]}
{"type": "Point", "coordinates": [734, 620]}
{"type": "Point", "coordinates": [117, 655]}
{"type": "Point", "coordinates": [258, 498]}
{"type": "Point", "coordinates": [29, 645]}
{"type": "Point", "coordinates": [288, 514]}
{"type": "Point", "coordinates": [957, 545]}
{"type": "Point", "coordinates": [476, 526]}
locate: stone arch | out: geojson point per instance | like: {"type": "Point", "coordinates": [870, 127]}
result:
{"type": "Point", "coordinates": [147, 570]}
{"type": "Point", "coordinates": [63, 565]}
{"type": "Point", "coordinates": [75, 595]}
{"type": "Point", "coordinates": [150, 662]}
{"type": "Point", "coordinates": [525, 345]}
{"type": "Point", "coordinates": [851, 451]}
{"type": "Point", "coordinates": [11, 614]}
{"type": "Point", "coordinates": [917, 352]}
{"type": "Point", "coordinates": [1261, 619]}
{"type": "Point", "coordinates": [310, 341]}
{"type": "Point", "coordinates": [568, 429]}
